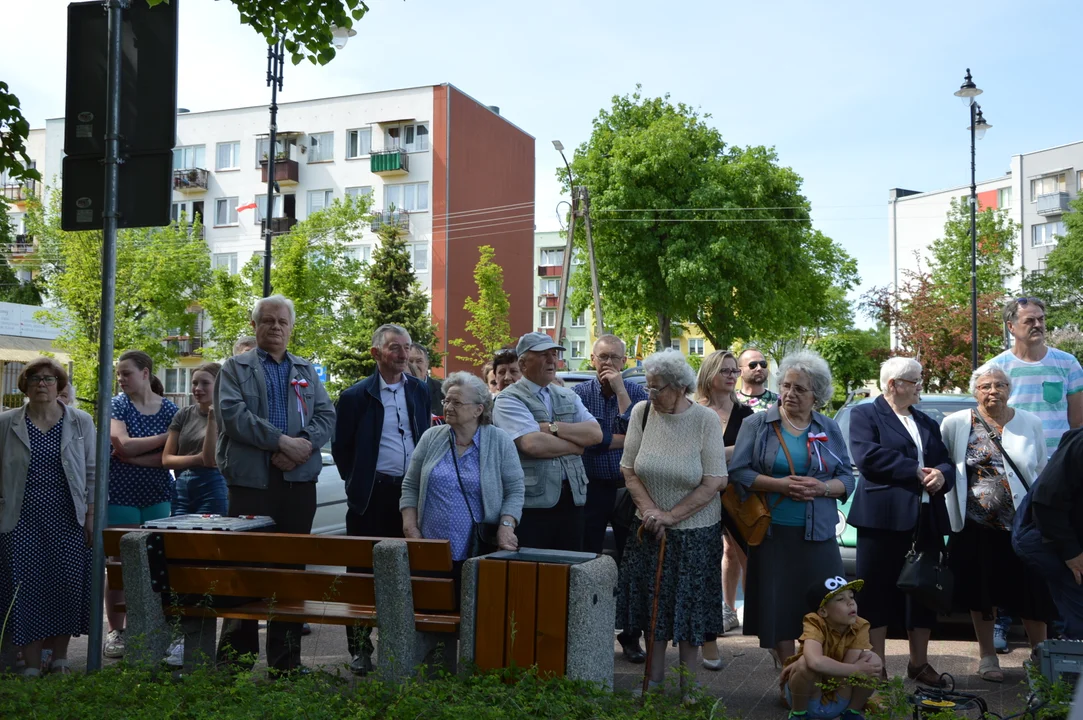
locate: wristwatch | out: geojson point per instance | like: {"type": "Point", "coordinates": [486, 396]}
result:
{"type": "Point", "coordinates": [553, 429]}
{"type": "Point", "coordinates": [508, 524]}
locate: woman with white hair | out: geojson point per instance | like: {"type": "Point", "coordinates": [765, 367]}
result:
{"type": "Point", "coordinates": [796, 458]}
{"type": "Point", "coordinates": [906, 474]}
{"type": "Point", "coordinates": [998, 453]}
{"type": "Point", "coordinates": [674, 466]}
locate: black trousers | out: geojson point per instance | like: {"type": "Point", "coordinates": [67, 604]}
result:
{"type": "Point", "coordinates": [382, 518]}
{"type": "Point", "coordinates": [557, 528]}
{"type": "Point", "coordinates": [597, 515]}
{"type": "Point", "coordinates": [292, 506]}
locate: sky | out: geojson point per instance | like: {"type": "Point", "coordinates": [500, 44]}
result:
{"type": "Point", "coordinates": [856, 97]}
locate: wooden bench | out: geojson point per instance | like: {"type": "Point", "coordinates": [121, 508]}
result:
{"type": "Point", "coordinates": [210, 574]}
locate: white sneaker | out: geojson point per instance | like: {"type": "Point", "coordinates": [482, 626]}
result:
{"type": "Point", "coordinates": [730, 621]}
{"type": "Point", "coordinates": [175, 656]}
{"type": "Point", "coordinates": [114, 644]}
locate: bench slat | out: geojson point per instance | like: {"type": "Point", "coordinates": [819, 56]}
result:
{"type": "Point", "coordinates": [258, 547]}
{"type": "Point", "coordinates": [319, 613]}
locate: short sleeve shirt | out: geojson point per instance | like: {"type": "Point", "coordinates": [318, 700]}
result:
{"type": "Point", "coordinates": [758, 403]}
{"type": "Point", "coordinates": [191, 427]}
{"type": "Point", "coordinates": [131, 485]}
{"type": "Point", "coordinates": [1043, 388]}
{"type": "Point", "coordinates": [835, 645]}
{"type": "Point", "coordinates": [515, 418]}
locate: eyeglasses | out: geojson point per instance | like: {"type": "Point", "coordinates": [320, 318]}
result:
{"type": "Point", "coordinates": [611, 358]}
{"type": "Point", "coordinates": [729, 371]}
{"type": "Point", "coordinates": [38, 379]}
{"type": "Point", "coordinates": [455, 404]}
{"type": "Point", "coordinates": [757, 363]}
{"type": "Point", "coordinates": [989, 387]}
{"type": "Point", "coordinates": [915, 382]}
{"type": "Point", "coordinates": [653, 392]}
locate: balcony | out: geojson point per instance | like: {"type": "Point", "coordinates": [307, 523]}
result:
{"type": "Point", "coordinates": [190, 180]}
{"type": "Point", "coordinates": [279, 225]}
{"type": "Point", "coordinates": [285, 171]}
{"type": "Point", "coordinates": [549, 270]}
{"type": "Point", "coordinates": [19, 192]}
{"type": "Point", "coordinates": [23, 245]}
{"type": "Point", "coordinates": [547, 301]}
{"type": "Point", "coordinates": [185, 345]}
{"type": "Point", "coordinates": [400, 220]}
{"type": "Point", "coordinates": [1053, 204]}
{"type": "Point", "coordinates": [390, 162]}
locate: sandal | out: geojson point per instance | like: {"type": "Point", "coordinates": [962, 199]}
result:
{"type": "Point", "coordinates": [989, 669]}
{"type": "Point", "coordinates": [60, 667]}
{"type": "Point", "coordinates": [925, 675]}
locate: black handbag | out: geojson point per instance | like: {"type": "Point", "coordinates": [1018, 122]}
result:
{"type": "Point", "coordinates": [624, 510]}
{"type": "Point", "coordinates": [483, 538]}
{"type": "Point", "coordinates": [925, 574]}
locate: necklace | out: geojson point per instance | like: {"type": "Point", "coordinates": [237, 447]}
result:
{"type": "Point", "coordinates": [790, 423]}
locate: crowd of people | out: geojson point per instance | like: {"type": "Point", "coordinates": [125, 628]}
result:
{"type": "Point", "coordinates": [512, 458]}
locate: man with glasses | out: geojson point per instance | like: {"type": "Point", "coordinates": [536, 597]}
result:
{"type": "Point", "coordinates": [610, 399]}
{"type": "Point", "coordinates": [753, 394]}
{"type": "Point", "coordinates": [551, 429]}
{"type": "Point", "coordinates": [380, 420]}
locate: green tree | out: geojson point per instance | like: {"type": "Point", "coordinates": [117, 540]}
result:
{"type": "Point", "coordinates": [675, 212]}
{"type": "Point", "coordinates": [160, 272]}
{"type": "Point", "coordinates": [949, 255]}
{"type": "Point", "coordinates": [854, 356]}
{"type": "Point", "coordinates": [12, 290]}
{"type": "Point", "coordinates": [488, 321]}
{"type": "Point", "coordinates": [388, 293]}
{"type": "Point", "coordinates": [1060, 284]}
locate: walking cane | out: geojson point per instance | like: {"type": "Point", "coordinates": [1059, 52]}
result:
{"type": "Point", "coordinates": [654, 610]}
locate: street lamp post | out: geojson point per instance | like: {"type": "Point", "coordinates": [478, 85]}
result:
{"type": "Point", "coordinates": [276, 54]}
{"type": "Point", "coordinates": [968, 91]}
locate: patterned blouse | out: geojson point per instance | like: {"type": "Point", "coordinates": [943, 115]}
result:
{"type": "Point", "coordinates": [989, 501]}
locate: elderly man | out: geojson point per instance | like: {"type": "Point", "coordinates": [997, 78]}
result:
{"type": "Point", "coordinates": [506, 368]}
{"type": "Point", "coordinates": [551, 429]}
{"type": "Point", "coordinates": [244, 344]}
{"type": "Point", "coordinates": [381, 418]}
{"type": "Point", "coordinates": [610, 399]}
{"type": "Point", "coordinates": [273, 416]}
{"type": "Point", "coordinates": [1048, 530]}
{"type": "Point", "coordinates": [418, 365]}
{"type": "Point", "coordinates": [753, 367]}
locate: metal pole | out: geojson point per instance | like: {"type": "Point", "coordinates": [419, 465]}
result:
{"type": "Point", "coordinates": [598, 322]}
{"type": "Point", "coordinates": [274, 80]}
{"type": "Point", "coordinates": [973, 245]}
{"type": "Point", "coordinates": [105, 335]}
{"type": "Point", "coordinates": [565, 271]}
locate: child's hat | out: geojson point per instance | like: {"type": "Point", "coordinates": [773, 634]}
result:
{"type": "Point", "coordinates": [821, 592]}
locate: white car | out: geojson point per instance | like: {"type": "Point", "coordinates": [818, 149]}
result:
{"type": "Point", "coordinates": [330, 516]}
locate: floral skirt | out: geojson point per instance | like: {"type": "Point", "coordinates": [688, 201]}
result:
{"type": "Point", "coordinates": [690, 602]}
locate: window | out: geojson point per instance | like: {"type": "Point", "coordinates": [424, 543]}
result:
{"type": "Point", "coordinates": [1048, 184]}
{"type": "Point", "coordinates": [186, 158]}
{"type": "Point", "coordinates": [176, 381]}
{"type": "Point", "coordinates": [675, 344]}
{"type": "Point", "coordinates": [1079, 183]}
{"type": "Point", "coordinates": [420, 256]}
{"type": "Point", "coordinates": [362, 191]}
{"type": "Point", "coordinates": [189, 209]}
{"type": "Point", "coordinates": [225, 211]}
{"type": "Point", "coordinates": [695, 346]}
{"type": "Point", "coordinates": [409, 137]}
{"type": "Point", "coordinates": [360, 253]}
{"type": "Point", "coordinates": [412, 197]}
{"type": "Point", "coordinates": [1045, 233]}
{"type": "Point", "coordinates": [318, 200]}
{"type": "Point", "coordinates": [1004, 198]}
{"type": "Point", "coordinates": [579, 320]}
{"type": "Point", "coordinates": [321, 147]}
{"type": "Point", "coordinates": [547, 319]}
{"type": "Point", "coordinates": [578, 348]}
{"type": "Point", "coordinates": [261, 207]}
{"type": "Point", "coordinates": [225, 260]}
{"type": "Point", "coordinates": [228, 156]}
{"type": "Point", "coordinates": [552, 256]}
{"type": "Point", "coordinates": [358, 143]}
{"type": "Point", "coordinates": [549, 286]}
{"type": "Point", "coordinates": [283, 147]}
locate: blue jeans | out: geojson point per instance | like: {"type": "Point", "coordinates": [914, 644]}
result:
{"type": "Point", "coordinates": [200, 491]}
{"type": "Point", "coordinates": [1067, 595]}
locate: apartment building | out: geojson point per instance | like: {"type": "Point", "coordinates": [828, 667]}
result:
{"type": "Point", "coordinates": [450, 170]}
{"type": "Point", "coordinates": [1035, 191]}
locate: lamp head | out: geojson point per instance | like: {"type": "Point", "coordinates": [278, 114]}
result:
{"type": "Point", "coordinates": [968, 89]}
{"type": "Point", "coordinates": [340, 36]}
{"type": "Point", "coordinates": [558, 145]}
{"type": "Point", "coordinates": [980, 125]}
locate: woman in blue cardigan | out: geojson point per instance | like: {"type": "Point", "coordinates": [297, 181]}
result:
{"type": "Point", "coordinates": [905, 475]}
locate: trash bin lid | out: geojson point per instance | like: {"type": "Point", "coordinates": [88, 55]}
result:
{"type": "Point", "coordinates": [240, 523]}
{"type": "Point", "coordinates": [539, 555]}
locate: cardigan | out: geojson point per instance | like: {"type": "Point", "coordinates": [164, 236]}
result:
{"type": "Point", "coordinates": [1023, 440]}
{"type": "Point", "coordinates": [502, 488]}
{"type": "Point", "coordinates": [76, 452]}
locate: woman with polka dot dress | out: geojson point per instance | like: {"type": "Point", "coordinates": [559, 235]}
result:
{"type": "Point", "coordinates": [46, 517]}
{"type": "Point", "coordinates": [140, 489]}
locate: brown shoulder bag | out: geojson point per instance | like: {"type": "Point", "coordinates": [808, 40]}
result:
{"type": "Point", "coordinates": [752, 516]}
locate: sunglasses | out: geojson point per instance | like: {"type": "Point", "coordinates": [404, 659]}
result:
{"type": "Point", "coordinates": [757, 363]}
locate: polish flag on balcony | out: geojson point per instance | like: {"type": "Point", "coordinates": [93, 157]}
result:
{"type": "Point", "coordinates": [249, 206]}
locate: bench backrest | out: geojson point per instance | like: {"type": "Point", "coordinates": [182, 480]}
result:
{"type": "Point", "coordinates": [202, 562]}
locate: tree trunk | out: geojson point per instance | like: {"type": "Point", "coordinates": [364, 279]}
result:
{"type": "Point", "coordinates": [665, 331]}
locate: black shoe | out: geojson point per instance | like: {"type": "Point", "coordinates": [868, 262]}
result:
{"type": "Point", "coordinates": [632, 652]}
{"type": "Point", "coordinates": [361, 665]}
{"type": "Point", "coordinates": [306, 629]}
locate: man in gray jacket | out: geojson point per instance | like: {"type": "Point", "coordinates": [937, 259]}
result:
{"type": "Point", "coordinates": [273, 417]}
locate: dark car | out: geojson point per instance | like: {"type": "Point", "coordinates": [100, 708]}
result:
{"type": "Point", "coordinates": [571, 378]}
{"type": "Point", "coordinates": [937, 407]}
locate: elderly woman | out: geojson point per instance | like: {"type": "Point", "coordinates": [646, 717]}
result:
{"type": "Point", "coordinates": [46, 516]}
{"type": "Point", "coordinates": [674, 466]}
{"type": "Point", "coordinates": [797, 458]}
{"type": "Point", "coordinates": [463, 474]}
{"type": "Point", "coordinates": [489, 377]}
{"type": "Point", "coordinates": [906, 474]}
{"type": "Point", "coordinates": [716, 385]}
{"type": "Point", "coordinates": [998, 453]}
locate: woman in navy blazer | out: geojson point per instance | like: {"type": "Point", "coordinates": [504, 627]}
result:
{"type": "Point", "coordinates": [905, 475]}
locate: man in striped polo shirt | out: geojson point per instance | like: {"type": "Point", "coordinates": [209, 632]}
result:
{"type": "Point", "coordinates": [1046, 381]}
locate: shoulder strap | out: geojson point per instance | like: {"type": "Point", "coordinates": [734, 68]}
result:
{"type": "Point", "coordinates": [996, 441]}
{"type": "Point", "coordinates": [784, 448]}
{"type": "Point", "coordinates": [459, 477]}
{"type": "Point", "coordinates": [646, 414]}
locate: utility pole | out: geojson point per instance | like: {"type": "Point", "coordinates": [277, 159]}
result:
{"type": "Point", "coordinates": [275, 62]}
{"type": "Point", "coordinates": [599, 324]}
